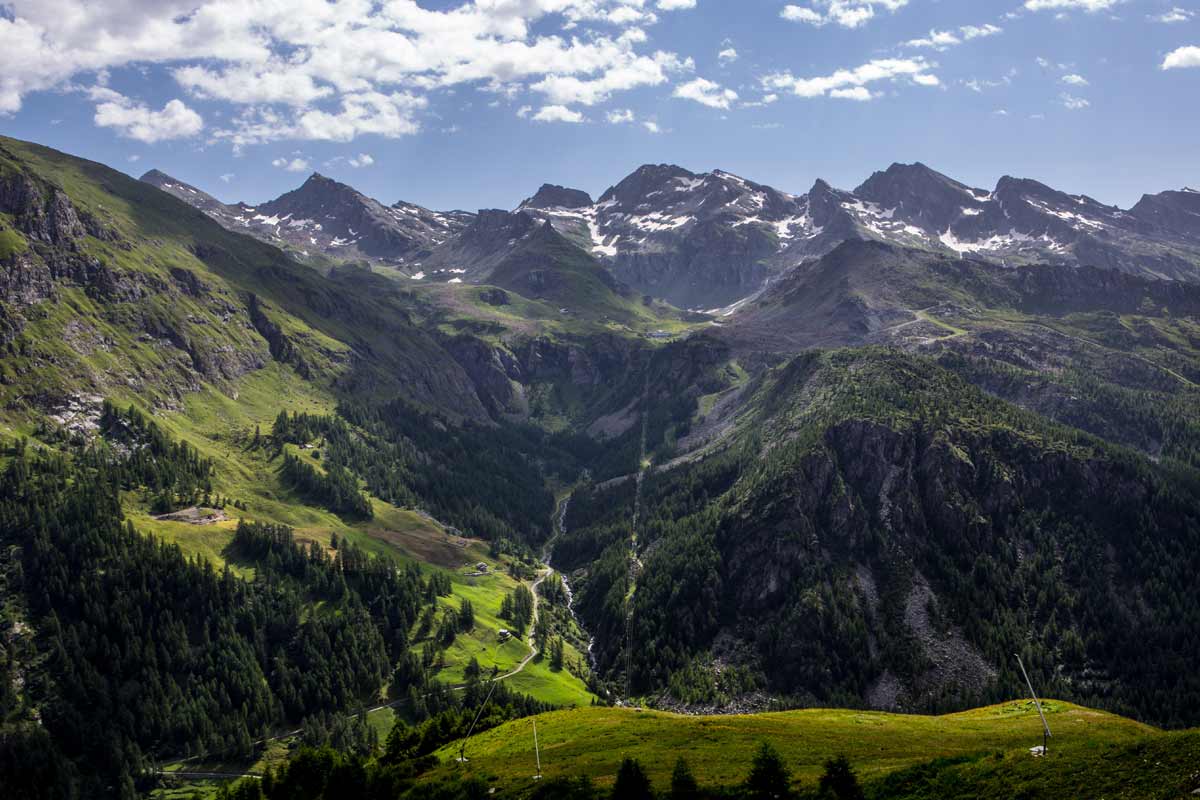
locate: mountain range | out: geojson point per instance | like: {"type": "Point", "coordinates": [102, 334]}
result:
{"type": "Point", "coordinates": [746, 449]}
{"type": "Point", "coordinates": [709, 240]}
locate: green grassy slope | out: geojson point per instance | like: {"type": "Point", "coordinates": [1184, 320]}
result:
{"type": "Point", "coordinates": [191, 279]}
{"type": "Point", "coordinates": [996, 739]}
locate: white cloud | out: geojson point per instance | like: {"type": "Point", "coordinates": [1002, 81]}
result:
{"type": "Point", "coordinates": [970, 32]}
{"type": "Point", "coordinates": [1173, 16]}
{"type": "Point", "coordinates": [227, 177]}
{"type": "Point", "coordinates": [1073, 103]}
{"type": "Point", "coordinates": [361, 160]}
{"type": "Point", "coordinates": [1182, 57]}
{"type": "Point", "coordinates": [314, 69]}
{"type": "Point", "coordinates": [291, 165]}
{"type": "Point", "coordinates": [942, 40]}
{"type": "Point", "coordinates": [366, 112]}
{"type": "Point", "coordinates": [939, 40]}
{"type": "Point", "coordinates": [524, 111]}
{"type": "Point", "coordinates": [1090, 6]}
{"type": "Point", "coordinates": [859, 93]}
{"type": "Point", "coordinates": [630, 73]}
{"type": "Point", "coordinates": [272, 84]}
{"type": "Point", "coordinates": [619, 116]}
{"type": "Point", "coordinates": [706, 93]}
{"type": "Point", "coordinates": [916, 70]}
{"type": "Point", "coordinates": [1074, 79]}
{"type": "Point", "coordinates": [979, 84]}
{"type": "Point", "coordinates": [652, 126]}
{"type": "Point", "coordinates": [728, 55]}
{"type": "Point", "coordinates": [136, 121]}
{"type": "Point", "coordinates": [847, 13]}
{"type": "Point", "coordinates": [800, 14]}
{"type": "Point", "coordinates": [133, 159]}
{"type": "Point", "coordinates": [557, 114]}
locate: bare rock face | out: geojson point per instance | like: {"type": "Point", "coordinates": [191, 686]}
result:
{"type": "Point", "coordinates": [43, 213]}
{"type": "Point", "coordinates": [1170, 213]}
{"type": "Point", "coordinates": [496, 374]}
{"type": "Point", "coordinates": [552, 196]}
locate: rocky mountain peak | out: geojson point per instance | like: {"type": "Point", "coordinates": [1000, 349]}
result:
{"type": "Point", "coordinates": [646, 179]}
{"type": "Point", "coordinates": [554, 196]}
{"type": "Point", "coordinates": [186, 192]}
{"type": "Point", "coordinates": [920, 196]}
{"type": "Point", "coordinates": [155, 176]}
{"type": "Point", "coordinates": [322, 189]}
{"type": "Point", "coordinates": [911, 179]}
{"type": "Point", "coordinates": [1170, 211]}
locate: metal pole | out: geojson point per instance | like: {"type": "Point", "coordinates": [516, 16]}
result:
{"type": "Point", "coordinates": [1045, 726]}
{"type": "Point", "coordinates": [536, 752]}
{"type": "Point", "coordinates": [462, 751]}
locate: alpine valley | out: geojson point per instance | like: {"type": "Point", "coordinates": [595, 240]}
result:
{"type": "Point", "coordinates": [329, 471]}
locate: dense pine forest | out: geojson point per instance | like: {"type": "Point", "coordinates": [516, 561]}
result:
{"type": "Point", "coordinates": [142, 654]}
{"type": "Point", "coordinates": [1030, 566]}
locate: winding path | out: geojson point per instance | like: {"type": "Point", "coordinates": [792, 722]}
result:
{"type": "Point", "coordinates": [533, 587]}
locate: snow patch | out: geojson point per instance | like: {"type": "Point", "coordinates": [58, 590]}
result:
{"type": "Point", "coordinates": [598, 241]}
{"type": "Point", "coordinates": [658, 221]}
{"type": "Point", "coordinates": [688, 184]}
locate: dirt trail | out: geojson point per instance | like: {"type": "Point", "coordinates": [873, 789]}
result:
{"type": "Point", "coordinates": [533, 587]}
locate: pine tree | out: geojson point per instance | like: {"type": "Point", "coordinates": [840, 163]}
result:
{"type": "Point", "coordinates": [769, 777]}
{"type": "Point", "coordinates": [839, 781]}
{"type": "Point", "coordinates": [632, 782]}
{"type": "Point", "coordinates": [683, 782]}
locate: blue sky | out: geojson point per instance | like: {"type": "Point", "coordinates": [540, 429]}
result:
{"type": "Point", "coordinates": [474, 104]}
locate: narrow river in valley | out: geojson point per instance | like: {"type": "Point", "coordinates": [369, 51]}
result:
{"type": "Point", "coordinates": [560, 527]}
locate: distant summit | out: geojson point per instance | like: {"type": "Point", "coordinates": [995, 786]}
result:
{"type": "Point", "coordinates": [324, 217]}
{"type": "Point", "coordinates": [552, 196]}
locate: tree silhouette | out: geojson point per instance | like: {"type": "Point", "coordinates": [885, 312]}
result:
{"type": "Point", "coordinates": [683, 783]}
{"type": "Point", "coordinates": [632, 783]}
{"type": "Point", "coordinates": [769, 777]}
{"type": "Point", "coordinates": [839, 780]}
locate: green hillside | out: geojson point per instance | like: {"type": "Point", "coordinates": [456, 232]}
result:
{"type": "Point", "coordinates": [986, 749]}
{"type": "Point", "coordinates": [982, 753]}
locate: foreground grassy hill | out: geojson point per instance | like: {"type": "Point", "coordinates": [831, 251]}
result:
{"type": "Point", "coordinates": [981, 753]}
